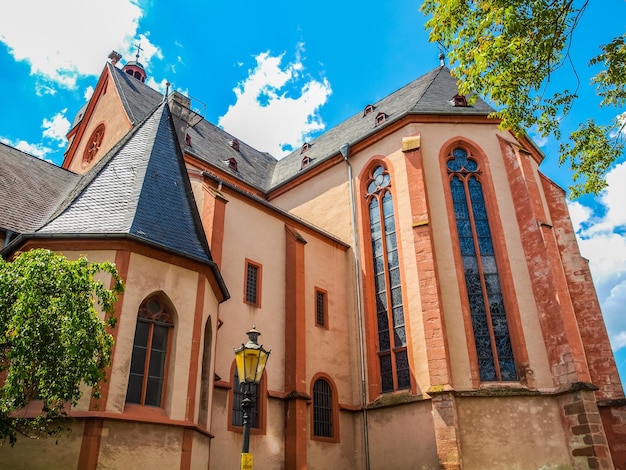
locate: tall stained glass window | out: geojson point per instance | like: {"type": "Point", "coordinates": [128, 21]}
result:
{"type": "Point", "coordinates": [391, 345]}
{"type": "Point", "coordinates": [489, 323]}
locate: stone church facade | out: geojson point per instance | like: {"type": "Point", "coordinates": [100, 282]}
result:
{"type": "Point", "coordinates": [415, 275]}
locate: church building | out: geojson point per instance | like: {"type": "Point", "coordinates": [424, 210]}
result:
{"type": "Point", "coordinates": [414, 274]}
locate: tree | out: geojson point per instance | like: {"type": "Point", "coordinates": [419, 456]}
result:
{"type": "Point", "coordinates": [507, 51]}
{"type": "Point", "coordinates": [51, 337]}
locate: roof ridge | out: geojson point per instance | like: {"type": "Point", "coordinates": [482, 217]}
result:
{"type": "Point", "coordinates": [427, 87]}
{"type": "Point", "coordinates": [93, 172]}
{"type": "Point", "coordinates": [30, 155]}
{"type": "Point", "coordinates": [122, 94]}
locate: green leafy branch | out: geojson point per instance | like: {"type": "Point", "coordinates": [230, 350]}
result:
{"type": "Point", "coordinates": [52, 339]}
{"type": "Point", "coordinates": [508, 50]}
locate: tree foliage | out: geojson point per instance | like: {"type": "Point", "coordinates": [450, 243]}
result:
{"type": "Point", "coordinates": [508, 50]}
{"type": "Point", "coordinates": [51, 337]}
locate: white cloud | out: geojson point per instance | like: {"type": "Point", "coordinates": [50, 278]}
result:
{"type": "Point", "coordinates": [57, 127]}
{"type": "Point", "coordinates": [158, 86]}
{"type": "Point", "coordinates": [37, 150]}
{"type": "Point", "coordinates": [613, 309]}
{"type": "Point", "coordinates": [88, 93]}
{"type": "Point", "coordinates": [601, 232]}
{"type": "Point", "coordinates": [579, 214]}
{"type": "Point", "coordinates": [620, 120]}
{"type": "Point", "coordinates": [276, 105]}
{"type": "Point", "coordinates": [76, 43]}
{"type": "Point", "coordinates": [613, 199]}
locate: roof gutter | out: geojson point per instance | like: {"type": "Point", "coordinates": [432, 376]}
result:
{"type": "Point", "coordinates": [221, 183]}
{"type": "Point", "coordinates": [16, 242]}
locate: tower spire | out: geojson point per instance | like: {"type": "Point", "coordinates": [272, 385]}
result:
{"type": "Point", "coordinates": [134, 68]}
{"type": "Point", "coordinates": [139, 49]}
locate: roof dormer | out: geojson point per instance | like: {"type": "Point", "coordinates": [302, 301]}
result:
{"type": "Point", "coordinates": [306, 161]}
{"type": "Point", "coordinates": [459, 101]}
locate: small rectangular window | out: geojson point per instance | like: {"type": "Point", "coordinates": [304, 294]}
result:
{"type": "Point", "coordinates": [252, 294]}
{"type": "Point", "coordinates": [321, 308]}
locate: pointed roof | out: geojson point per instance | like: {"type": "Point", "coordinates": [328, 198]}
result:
{"type": "Point", "coordinates": [137, 98]}
{"type": "Point", "coordinates": [139, 188]}
{"type": "Point", "coordinates": [30, 189]}
{"type": "Point", "coordinates": [429, 94]}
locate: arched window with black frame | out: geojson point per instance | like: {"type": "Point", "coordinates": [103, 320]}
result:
{"type": "Point", "coordinates": [323, 409]}
{"type": "Point", "coordinates": [148, 365]}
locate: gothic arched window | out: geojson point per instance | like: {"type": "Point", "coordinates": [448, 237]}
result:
{"type": "Point", "coordinates": [146, 384]}
{"type": "Point", "coordinates": [391, 330]}
{"type": "Point", "coordinates": [489, 323]}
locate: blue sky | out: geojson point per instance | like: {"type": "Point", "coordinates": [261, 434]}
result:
{"type": "Point", "coordinates": [277, 75]}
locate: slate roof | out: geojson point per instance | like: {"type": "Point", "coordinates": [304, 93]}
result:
{"type": "Point", "coordinates": [213, 145]}
{"type": "Point", "coordinates": [139, 188]}
{"type": "Point", "coordinates": [30, 189]}
{"type": "Point", "coordinates": [120, 194]}
{"type": "Point", "coordinates": [137, 98]}
{"type": "Point", "coordinates": [429, 94]}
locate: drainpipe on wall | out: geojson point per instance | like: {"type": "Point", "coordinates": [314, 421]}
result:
{"type": "Point", "coordinates": [345, 151]}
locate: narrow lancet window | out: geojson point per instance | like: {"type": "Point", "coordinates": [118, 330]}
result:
{"type": "Point", "coordinates": [392, 343]}
{"type": "Point", "coordinates": [489, 322]}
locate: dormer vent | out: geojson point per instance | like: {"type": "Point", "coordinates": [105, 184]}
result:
{"type": "Point", "coordinates": [306, 160]}
{"type": "Point", "coordinates": [380, 118]}
{"type": "Point", "coordinates": [235, 144]}
{"type": "Point", "coordinates": [232, 164]}
{"type": "Point", "coordinates": [459, 101]}
{"type": "Point", "coordinates": [305, 147]}
{"type": "Point", "coordinates": [188, 140]}
{"type": "Point", "coordinates": [368, 109]}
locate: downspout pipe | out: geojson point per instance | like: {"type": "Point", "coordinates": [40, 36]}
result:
{"type": "Point", "coordinates": [345, 153]}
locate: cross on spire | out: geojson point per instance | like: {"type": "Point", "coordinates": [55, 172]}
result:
{"type": "Point", "coordinates": [139, 49]}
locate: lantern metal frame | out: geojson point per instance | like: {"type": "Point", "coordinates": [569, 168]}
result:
{"type": "Point", "coordinates": [251, 359]}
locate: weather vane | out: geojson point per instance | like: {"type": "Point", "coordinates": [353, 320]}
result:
{"type": "Point", "coordinates": [442, 56]}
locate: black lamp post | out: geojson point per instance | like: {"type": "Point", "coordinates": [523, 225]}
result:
{"type": "Point", "coordinates": [251, 359]}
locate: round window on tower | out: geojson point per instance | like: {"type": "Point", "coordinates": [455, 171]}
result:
{"type": "Point", "coordinates": [93, 145]}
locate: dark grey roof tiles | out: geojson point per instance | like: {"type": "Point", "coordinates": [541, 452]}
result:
{"type": "Point", "coordinates": [30, 189]}
{"type": "Point", "coordinates": [429, 94]}
{"type": "Point", "coordinates": [139, 188]}
{"type": "Point", "coordinates": [137, 97]}
{"type": "Point", "coordinates": [437, 98]}
{"type": "Point", "coordinates": [213, 145]}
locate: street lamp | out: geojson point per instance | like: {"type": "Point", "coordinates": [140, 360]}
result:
{"type": "Point", "coordinates": [251, 359]}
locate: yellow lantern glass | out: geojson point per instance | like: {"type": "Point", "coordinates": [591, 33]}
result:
{"type": "Point", "coordinates": [251, 359]}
